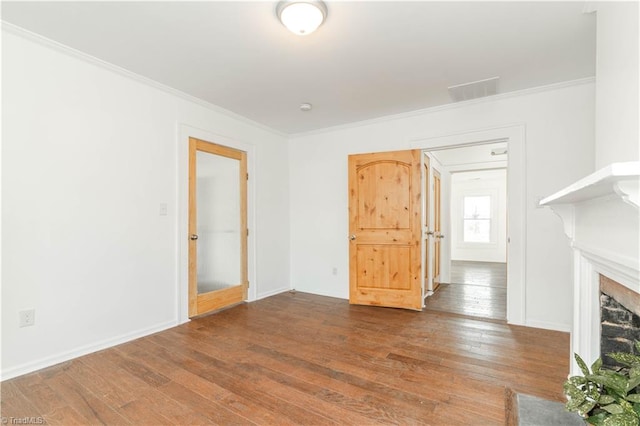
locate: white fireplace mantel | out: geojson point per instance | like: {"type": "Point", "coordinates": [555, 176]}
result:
{"type": "Point", "coordinates": [601, 217]}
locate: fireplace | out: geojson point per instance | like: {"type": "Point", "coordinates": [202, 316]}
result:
{"type": "Point", "coordinates": [619, 320]}
{"type": "Point", "coordinates": [601, 217]}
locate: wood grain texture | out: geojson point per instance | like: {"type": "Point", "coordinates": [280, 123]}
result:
{"type": "Point", "coordinates": [490, 274]}
{"type": "Point", "coordinates": [385, 212]}
{"type": "Point", "coordinates": [437, 228]}
{"type": "Point", "coordinates": [301, 359]}
{"type": "Point", "coordinates": [203, 303]}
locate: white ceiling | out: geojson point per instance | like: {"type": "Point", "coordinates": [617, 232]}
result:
{"type": "Point", "coordinates": [369, 59]}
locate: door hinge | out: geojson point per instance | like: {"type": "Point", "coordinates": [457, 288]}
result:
{"type": "Point", "coordinates": [247, 232]}
{"type": "Point", "coordinates": [248, 284]}
{"type": "Point", "coordinates": [247, 176]}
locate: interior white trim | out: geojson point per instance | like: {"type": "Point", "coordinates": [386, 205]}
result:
{"type": "Point", "coordinates": [186, 131]}
{"type": "Point", "coordinates": [271, 293]}
{"type": "Point", "coordinates": [63, 48]}
{"type": "Point", "coordinates": [602, 223]}
{"type": "Point", "coordinates": [500, 96]}
{"type": "Point", "coordinates": [82, 350]}
{"type": "Point", "coordinates": [516, 226]}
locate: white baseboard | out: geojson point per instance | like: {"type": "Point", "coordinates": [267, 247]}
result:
{"type": "Point", "coordinates": [49, 361]}
{"type": "Point", "coordinates": [548, 325]}
{"type": "Point", "coordinates": [271, 293]}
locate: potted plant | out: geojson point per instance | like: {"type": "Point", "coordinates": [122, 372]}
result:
{"type": "Point", "coordinates": [607, 397]}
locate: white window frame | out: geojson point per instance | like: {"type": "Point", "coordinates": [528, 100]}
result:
{"type": "Point", "coordinates": [493, 235]}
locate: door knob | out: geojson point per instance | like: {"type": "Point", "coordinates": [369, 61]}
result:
{"type": "Point", "coordinates": [440, 236]}
{"type": "Point", "coordinates": [194, 237]}
{"type": "Point", "coordinates": [352, 237]}
{"type": "Point", "coordinates": [429, 232]}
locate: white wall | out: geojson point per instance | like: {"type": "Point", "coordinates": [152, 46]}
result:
{"type": "Point", "coordinates": [558, 120]}
{"type": "Point", "coordinates": [617, 136]}
{"type": "Point", "coordinates": [487, 182]}
{"type": "Point", "coordinates": [88, 155]}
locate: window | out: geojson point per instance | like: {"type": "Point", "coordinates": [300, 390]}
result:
{"type": "Point", "coordinates": [477, 219]}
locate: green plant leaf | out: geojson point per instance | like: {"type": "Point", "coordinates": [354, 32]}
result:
{"type": "Point", "coordinates": [610, 380]}
{"type": "Point", "coordinates": [574, 403]}
{"type": "Point", "coordinates": [595, 367]}
{"type": "Point", "coordinates": [598, 419]}
{"type": "Point", "coordinates": [593, 392]}
{"type": "Point", "coordinates": [626, 406]}
{"type": "Point", "coordinates": [613, 408]}
{"type": "Point", "coordinates": [634, 371]}
{"type": "Point", "coordinates": [606, 399]}
{"type": "Point", "coordinates": [625, 419]}
{"type": "Point", "coordinates": [636, 408]}
{"type": "Point", "coordinates": [625, 358]}
{"type": "Point", "coordinates": [581, 364]}
{"type": "Point", "coordinates": [637, 345]}
{"type": "Point", "coordinates": [578, 380]}
{"type": "Point", "coordinates": [633, 383]}
{"type": "Point", "coordinates": [585, 408]}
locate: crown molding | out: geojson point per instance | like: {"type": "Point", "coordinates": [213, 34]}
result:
{"type": "Point", "coordinates": [44, 41]}
{"type": "Point", "coordinates": [69, 51]}
{"type": "Point", "coordinates": [470, 102]}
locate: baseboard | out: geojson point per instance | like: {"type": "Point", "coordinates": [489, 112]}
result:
{"type": "Point", "coordinates": [49, 361]}
{"type": "Point", "coordinates": [548, 325]}
{"type": "Point", "coordinates": [271, 293]}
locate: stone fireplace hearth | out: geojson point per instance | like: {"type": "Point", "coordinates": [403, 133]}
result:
{"type": "Point", "coordinates": [601, 217]}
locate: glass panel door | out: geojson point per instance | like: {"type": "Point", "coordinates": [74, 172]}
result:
{"type": "Point", "coordinates": [217, 226]}
{"type": "Point", "coordinates": [218, 222]}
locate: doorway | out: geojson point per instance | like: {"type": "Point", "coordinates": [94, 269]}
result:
{"type": "Point", "coordinates": [471, 261]}
{"type": "Point", "coordinates": [217, 226]}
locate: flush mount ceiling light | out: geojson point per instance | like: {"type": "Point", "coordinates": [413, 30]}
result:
{"type": "Point", "coordinates": [301, 17]}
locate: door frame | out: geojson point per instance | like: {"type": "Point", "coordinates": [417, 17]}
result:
{"type": "Point", "coordinates": [517, 202]}
{"type": "Point", "coordinates": [186, 131]}
{"type": "Point", "coordinates": [204, 303]}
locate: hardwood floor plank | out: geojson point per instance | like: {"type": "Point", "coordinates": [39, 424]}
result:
{"type": "Point", "coordinates": [92, 408]}
{"type": "Point", "coordinates": [300, 359]}
{"type": "Point", "coordinates": [13, 403]}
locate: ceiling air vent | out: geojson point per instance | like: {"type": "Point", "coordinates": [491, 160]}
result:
{"type": "Point", "coordinates": [475, 89]}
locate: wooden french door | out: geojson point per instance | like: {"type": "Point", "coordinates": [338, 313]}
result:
{"type": "Point", "coordinates": [217, 226]}
{"type": "Point", "coordinates": [427, 207]}
{"type": "Point", "coordinates": [437, 235]}
{"type": "Point", "coordinates": [385, 213]}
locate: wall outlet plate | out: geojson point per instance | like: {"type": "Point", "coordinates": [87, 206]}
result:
{"type": "Point", "coordinates": [27, 318]}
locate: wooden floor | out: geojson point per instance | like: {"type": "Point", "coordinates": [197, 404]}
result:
{"type": "Point", "coordinates": [477, 289]}
{"type": "Point", "coordinates": [473, 300]}
{"type": "Point", "coordinates": [488, 274]}
{"type": "Point", "coordinates": [302, 359]}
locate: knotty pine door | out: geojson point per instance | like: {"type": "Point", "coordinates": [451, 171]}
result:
{"type": "Point", "coordinates": [385, 213]}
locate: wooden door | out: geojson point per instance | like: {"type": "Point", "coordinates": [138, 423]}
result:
{"type": "Point", "coordinates": [437, 236]}
{"type": "Point", "coordinates": [217, 226]}
{"type": "Point", "coordinates": [385, 229]}
{"type": "Point", "coordinates": [427, 232]}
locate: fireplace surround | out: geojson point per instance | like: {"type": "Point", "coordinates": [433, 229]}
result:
{"type": "Point", "coordinates": [619, 320]}
{"type": "Point", "coordinates": [601, 217]}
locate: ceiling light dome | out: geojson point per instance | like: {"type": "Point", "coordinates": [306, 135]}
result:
{"type": "Point", "coordinates": [302, 17]}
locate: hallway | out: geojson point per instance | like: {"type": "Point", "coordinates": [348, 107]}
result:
{"type": "Point", "coordinates": [477, 289]}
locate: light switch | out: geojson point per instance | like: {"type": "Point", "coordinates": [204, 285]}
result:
{"type": "Point", "coordinates": [163, 209]}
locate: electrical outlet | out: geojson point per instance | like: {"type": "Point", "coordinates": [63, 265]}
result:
{"type": "Point", "coordinates": [27, 317]}
{"type": "Point", "coordinates": [163, 209]}
{"type": "Point", "coordinates": [334, 271]}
